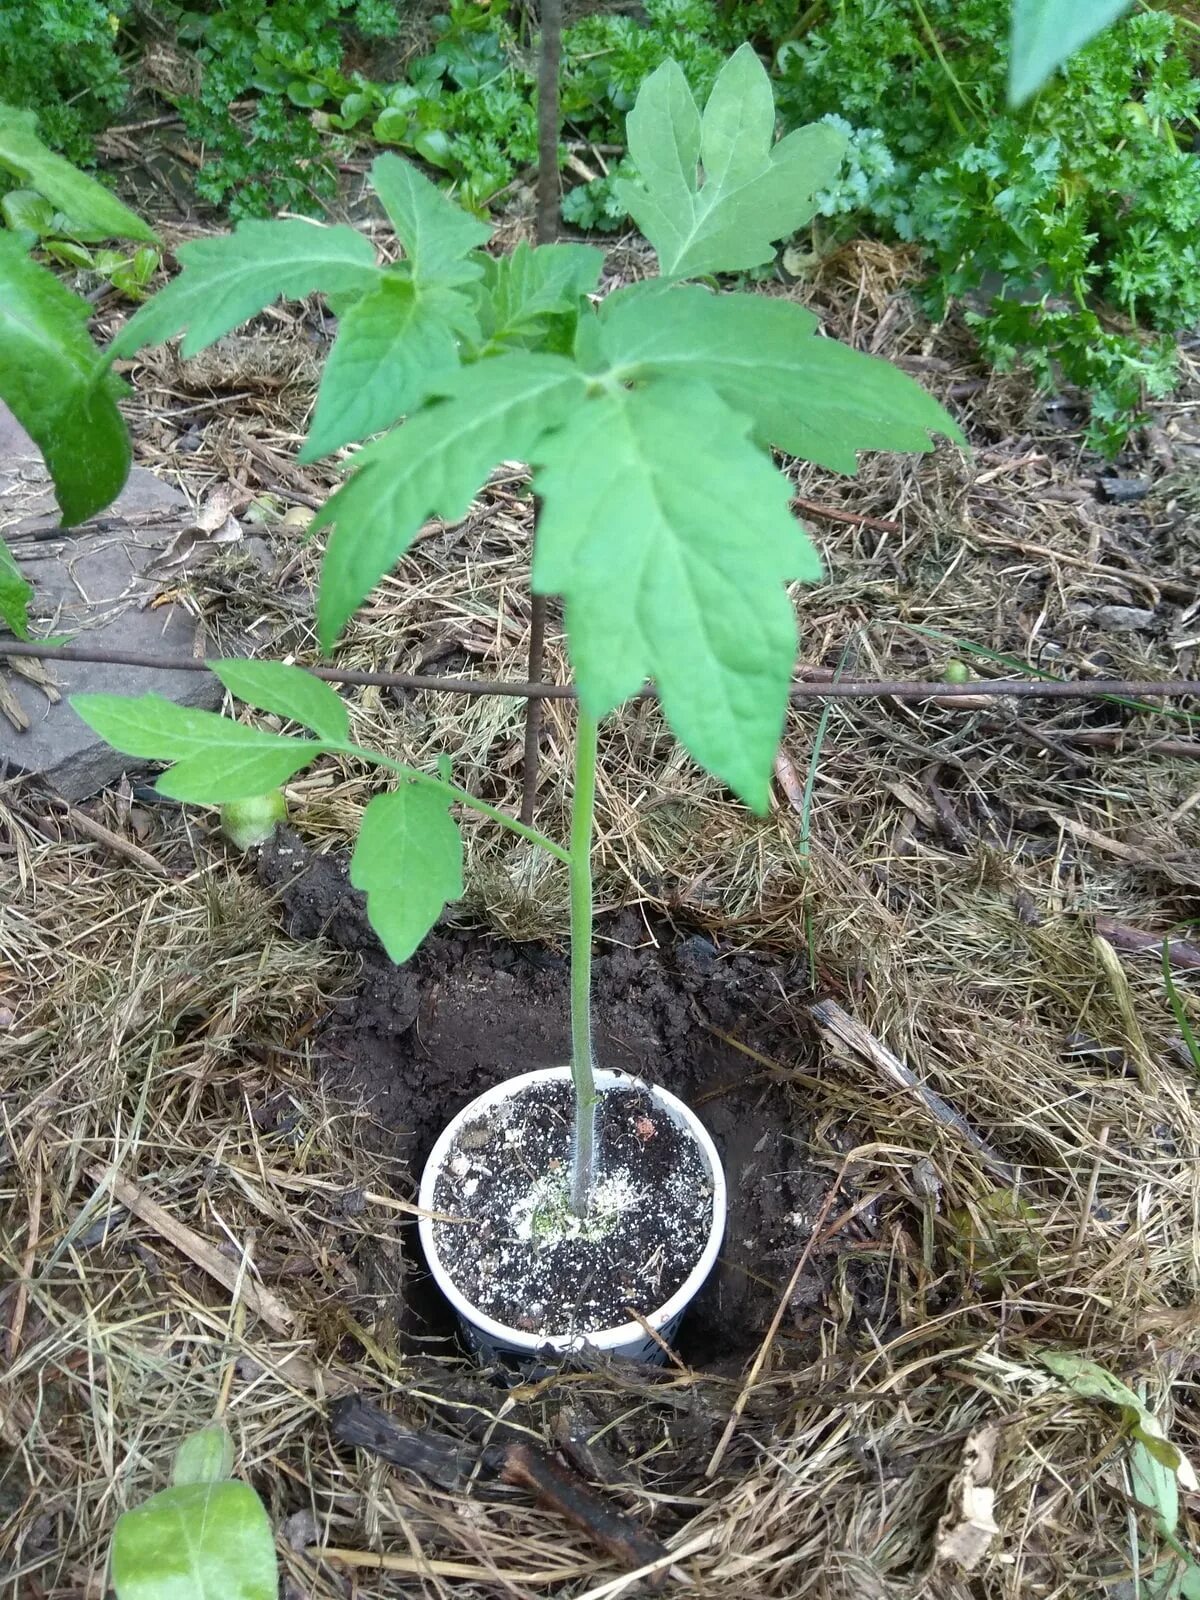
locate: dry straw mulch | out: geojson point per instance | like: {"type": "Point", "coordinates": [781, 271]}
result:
{"type": "Point", "coordinates": [947, 878]}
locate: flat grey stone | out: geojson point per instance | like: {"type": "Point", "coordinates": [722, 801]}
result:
{"type": "Point", "coordinates": [1123, 619]}
{"type": "Point", "coordinates": [89, 582]}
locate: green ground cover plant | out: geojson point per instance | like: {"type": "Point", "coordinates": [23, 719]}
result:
{"type": "Point", "coordinates": [61, 59]}
{"type": "Point", "coordinates": [1066, 224]}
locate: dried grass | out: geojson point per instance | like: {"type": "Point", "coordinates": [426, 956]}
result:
{"type": "Point", "coordinates": [947, 895]}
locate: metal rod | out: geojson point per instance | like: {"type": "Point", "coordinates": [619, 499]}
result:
{"type": "Point", "coordinates": [820, 689]}
{"type": "Point", "coordinates": [548, 220]}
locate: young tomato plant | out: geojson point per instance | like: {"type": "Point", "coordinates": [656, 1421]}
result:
{"type": "Point", "coordinates": [647, 421]}
{"type": "Point", "coordinates": [207, 1535]}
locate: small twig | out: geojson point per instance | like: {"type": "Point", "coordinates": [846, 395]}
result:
{"type": "Point", "coordinates": [144, 127]}
{"type": "Point", "coordinates": [756, 1366]}
{"type": "Point", "coordinates": [17, 1325]}
{"type": "Point", "coordinates": [85, 824]}
{"type": "Point", "coordinates": [653, 1333]}
{"type": "Point", "coordinates": [430, 1566]}
{"type": "Point", "coordinates": [614, 1531]}
{"type": "Point", "coordinates": [836, 514]}
{"type": "Point", "coordinates": [206, 1256]}
{"type": "Point", "coordinates": [1119, 739]}
{"type": "Point", "coordinates": [1132, 941]}
{"type": "Point", "coordinates": [827, 1014]}
{"type": "Point", "coordinates": [819, 688]}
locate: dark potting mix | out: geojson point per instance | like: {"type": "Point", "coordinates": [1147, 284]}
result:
{"type": "Point", "coordinates": [521, 1257]}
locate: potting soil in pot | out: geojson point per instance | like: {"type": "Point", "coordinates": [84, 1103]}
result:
{"type": "Point", "coordinates": [519, 1255]}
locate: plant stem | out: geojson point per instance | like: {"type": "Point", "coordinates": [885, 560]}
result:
{"type": "Point", "coordinates": [582, 1067]}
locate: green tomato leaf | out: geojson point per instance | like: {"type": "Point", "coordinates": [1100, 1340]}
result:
{"type": "Point", "coordinates": [1092, 1382]}
{"type": "Point", "coordinates": [15, 594]}
{"type": "Point", "coordinates": [92, 211]}
{"type": "Point", "coordinates": [408, 861]}
{"type": "Point", "coordinates": [228, 279]}
{"type": "Point", "coordinates": [287, 692]}
{"type": "Point", "coordinates": [753, 193]}
{"type": "Point", "coordinates": [815, 398]}
{"type": "Point", "coordinates": [1155, 1486]}
{"type": "Point", "coordinates": [524, 288]}
{"type": "Point", "coordinates": [205, 1456]}
{"type": "Point", "coordinates": [58, 387]}
{"type": "Point", "coordinates": [1046, 32]}
{"type": "Point", "coordinates": [437, 235]}
{"type": "Point", "coordinates": [216, 758]}
{"type": "Point", "coordinates": [669, 537]}
{"type": "Point", "coordinates": [198, 1541]}
{"type": "Point", "coordinates": [391, 347]}
{"type": "Point", "coordinates": [434, 465]}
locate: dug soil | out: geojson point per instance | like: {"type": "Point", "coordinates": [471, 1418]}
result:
{"type": "Point", "coordinates": [419, 1041]}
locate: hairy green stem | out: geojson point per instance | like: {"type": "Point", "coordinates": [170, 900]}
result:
{"type": "Point", "coordinates": [583, 1075]}
{"type": "Point", "coordinates": [453, 792]}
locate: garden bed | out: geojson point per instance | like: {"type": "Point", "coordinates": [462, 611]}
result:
{"type": "Point", "coordinates": [266, 1083]}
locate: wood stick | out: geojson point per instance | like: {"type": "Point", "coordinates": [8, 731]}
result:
{"type": "Point", "coordinates": [830, 1017]}
{"type": "Point", "coordinates": [269, 1307]}
{"type": "Point", "coordinates": [614, 1531]}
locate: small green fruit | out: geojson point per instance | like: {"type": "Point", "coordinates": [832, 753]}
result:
{"type": "Point", "coordinates": [249, 822]}
{"type": "Point", "coordinates": [957, 672]}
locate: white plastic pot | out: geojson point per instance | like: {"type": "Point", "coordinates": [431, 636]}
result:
{"type": "Point", "coordinates": [629, 1339]}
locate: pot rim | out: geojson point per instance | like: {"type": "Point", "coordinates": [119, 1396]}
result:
{"type": "Point", "coordinates": [604, 1338]}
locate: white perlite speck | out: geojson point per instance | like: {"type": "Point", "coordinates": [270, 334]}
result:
{"type": "Point", "coordinates": [542, 1214]}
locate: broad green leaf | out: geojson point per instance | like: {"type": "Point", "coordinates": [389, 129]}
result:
{"type": "Point", "coordinates": [408, 862]}
{"type": "Point", "coordinates": [228, 279]}
{"type": "Point", "coordinates": [391, 347]}
{"type": "Point", "coordinates": [812, 397]}
{"type": "Point", "coordinates": [242, 775]}
{"type": "Point", "coordinates": [15, 594]}
{"type": "Point", "coordinates": [1046, 32]}
{"type": "Point", "coordinates": [434, 465]}
{"type": "Point", "coordinates": [531, 284]}
{"type": "Point", "coordinates": [437, 235]}
{"type": "Point", "coordinates": [26, 209]}
{"type": "Point", "coordinates": [93, 212]}
{"type": "Point", "coordinates": [287, 692]}
{"type": "Point", "coordinates": [667, 533]}
{"type": "Point", "coordinates": [1092, 1382]}
{"type": "Point", "coordinates": [1155, 1486]}
{"type": "Point", "coordinates": [205, 1456]}
{"type": "Point", "coordinates": [216, 759]}
{"type": "Point", "coordinates": [56, 384]}
{"type": "Point", "coordinates": [198, 1541]}
{"type": "Point", "coordinates": [752, 194]}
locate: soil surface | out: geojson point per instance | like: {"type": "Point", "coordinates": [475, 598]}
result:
{"type": "Point", "coordinates": [524, 1260]}
{"type": "Point", "coordinates": [418, 1042]}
